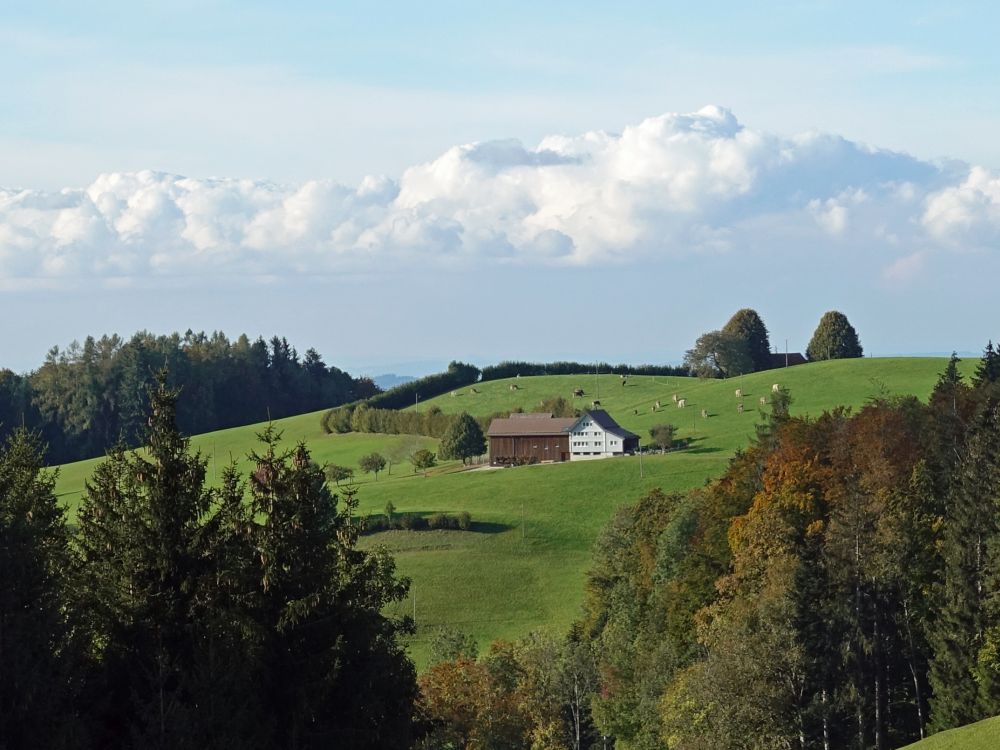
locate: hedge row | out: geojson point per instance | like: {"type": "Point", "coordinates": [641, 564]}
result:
{"type": "Point", "coordinates": [415, 522]}
{"type": "Point", "coordinates": [513, 369]}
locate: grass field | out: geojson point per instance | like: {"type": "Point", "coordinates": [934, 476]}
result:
{"type": "Point", "coordinates": [983, 735]}
{"type": "Point", "coordinates": [523, 565]}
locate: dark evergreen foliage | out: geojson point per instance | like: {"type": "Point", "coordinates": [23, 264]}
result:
{"type": "Point", "coordinates": [834, 338]}
{"type": "Point", "coordinates": [464, 439]}
{"type": "Point", "coordinates": [40, 655]}
{"type": "Point", "coordinates": [747, 325]}
{"type": "Point", "coordinates": [88, 397]}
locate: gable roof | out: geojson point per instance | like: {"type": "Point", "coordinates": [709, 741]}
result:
{"type": "Point", "coordinates": [606, 423]}
{"type": "Point", "coordinates": [530, 424]}
{"type": "Point", "coordinates": [794, 358]}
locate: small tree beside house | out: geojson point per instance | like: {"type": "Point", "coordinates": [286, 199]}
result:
{"type": "Point", "coordinates": [464, 439]}
{"type": "Point", "coordinates": [663, 436]}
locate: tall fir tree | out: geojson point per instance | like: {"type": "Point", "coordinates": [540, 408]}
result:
{"type": "Point", "coordinates": [40, 662]}
{"type": "Point", "coordinates": [988, 370]}
{"type": "Point", "coordinates": [141, 559]}
{"type": "Point", "coordinates": [333, 671]}
{"type": "Point", "coordinates": [959, 627]}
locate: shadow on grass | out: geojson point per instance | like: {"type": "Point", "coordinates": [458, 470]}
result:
{"type": "Point", "coordinates": [694, 447]}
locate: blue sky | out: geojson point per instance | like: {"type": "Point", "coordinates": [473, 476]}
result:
{"type": "Point", "coordinates": [850, 161]}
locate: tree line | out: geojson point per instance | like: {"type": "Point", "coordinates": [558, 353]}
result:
{"type": "Point", "coordinates": [743, 346]}
{"type": "Point", "coordinates": [178, 616]}
{"type": "Point", "coordinates": [87, 397]}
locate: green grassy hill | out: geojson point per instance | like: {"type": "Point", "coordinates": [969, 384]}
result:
{"type": "Point", "coordinates": [523, 565]}
{"type": "Point", "coordinates": [983, 735]}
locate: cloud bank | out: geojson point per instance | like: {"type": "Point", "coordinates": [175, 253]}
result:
{"type": "Point", "coordinates": [663, 189]}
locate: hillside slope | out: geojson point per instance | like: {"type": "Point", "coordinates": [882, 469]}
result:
{"type": "Point", "coordinates": [523, 566]}
{"type": "Point", "coordinates": [983, 735]}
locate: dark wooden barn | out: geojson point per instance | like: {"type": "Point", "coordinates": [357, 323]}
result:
{"type": "Point", "coordinates": [529, 438]}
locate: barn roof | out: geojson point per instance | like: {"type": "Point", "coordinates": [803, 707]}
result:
{"type": "Point", "coordinates": [606, 423]}
{"type": "Point", "coordinates": [794, 358]}
{"type": "Point", "coordinates": [530, 424]}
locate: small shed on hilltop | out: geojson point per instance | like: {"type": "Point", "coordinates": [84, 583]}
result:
{"type": "Point", "coordinates": [786, 360]}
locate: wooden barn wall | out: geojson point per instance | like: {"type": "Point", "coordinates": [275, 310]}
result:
{"type": "Point", "coordinates": [539, 447]}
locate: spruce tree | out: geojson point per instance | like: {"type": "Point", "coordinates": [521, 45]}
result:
{"type": "Point", "coordinates": [834, 338]}
{"type": "Point", "coordinates": [141, 559]}
{"type": "Point", "coordinates": [333, 673]}
{"type": "Point", "coordinates": [40, 666]}
{"type": "Point", "coordinates": [463, 439]}
{"type": "Point", "coordinates": [747, 325]}
{"type": "Point", "coordinates": [988, 370]}
{"type": "Point", "coordinates": [969, 528]}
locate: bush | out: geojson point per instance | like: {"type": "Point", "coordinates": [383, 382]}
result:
{"type": "Point", "coordinates": [439, 521]}
{"type": "Point", "coordinates": [464, 520]}
{"type": "Point", "coordinates": [412, 522]}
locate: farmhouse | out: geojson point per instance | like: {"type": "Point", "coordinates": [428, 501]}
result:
{"type": "Point", "coordinates": [534, 438]}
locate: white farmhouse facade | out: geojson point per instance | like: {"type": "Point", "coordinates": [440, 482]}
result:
{"type": "Point", "coordinates": [597, 435]}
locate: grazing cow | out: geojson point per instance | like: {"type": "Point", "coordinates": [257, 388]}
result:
{"type": "Point", "coordinates": [658, 407]}
{"type": "Point", "coordinates": [578, 391]}
{"type": "Point", "coordinates": [624, 382]}
{"type": "Point", "coordinates": [595, 404]}
{"type": "Point", "coordinates": [681, 403]}
{"type": "Point", "coordinates": [739, 408]}
{"type": "Point", "coordinates": [775, 388]}
{"type": "Point", "coordinates": [704, 413]}
{"type": "Point", "coordinates": [454, 393]}
{"type": "Point", "coordinates": [473, 390]}
{"type": "Point", "coordinates": [652, 409]}
{"type": "Point", "coordinates": [513, 387]}
{"type": "Point", "coordinates": [763, 400]}
{"type": "Point", "coordinates": [674, 397]}
{"type": "Point", "coordinates": [739, 393]}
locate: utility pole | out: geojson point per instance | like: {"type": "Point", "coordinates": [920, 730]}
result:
{"type": "Point", "coordinates": [786, 352]}
{"type": "Point", "coordinates": [597, 380]}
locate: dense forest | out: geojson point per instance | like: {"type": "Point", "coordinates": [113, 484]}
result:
{"type": "Point", "coordinates": [88, 397]}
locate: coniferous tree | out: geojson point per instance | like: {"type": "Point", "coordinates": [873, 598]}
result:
{"type": "Point", "coordinates": [959, 627]}
{"type": "Point", "coordinates": [834, 338]}
{"type": "Point", "coordinates": [747, 325]}
{"type": "Point", "coordinates": [988, 371]}
{"type": "Point", "coordinates": [141, 560]}
{"type": "Point", "coordinates": [464, 439]}
{"type": "Point", "coordinates": [40, 666]}
{"type": "Point", "coordinates": [333, 673]}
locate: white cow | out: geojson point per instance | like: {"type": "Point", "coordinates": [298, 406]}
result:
{"type": "Point", "coordinates": [658, 406]}
{"type": "Point", "coordinates": [775, 388]}
{"type": "Point", "coordinates": [704, 413]}
{"type": "Point", "coordinates": [739, 408]}
{"type": "Point", "coordinates": [739, 393]}
{"type": "Point", "coordinates": [674, 397]}
{"type": "Point", "coordinates": [763, 400]}
{"type": "Point", "coordinates": [681, 403]}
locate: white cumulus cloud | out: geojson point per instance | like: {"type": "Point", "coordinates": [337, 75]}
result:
{"type": "Point", "coordinates": [664, 188]}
